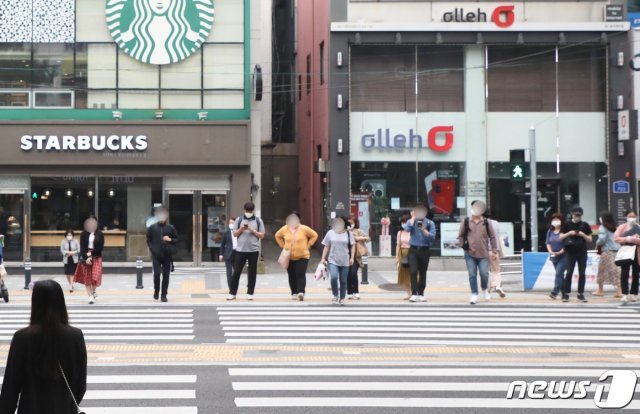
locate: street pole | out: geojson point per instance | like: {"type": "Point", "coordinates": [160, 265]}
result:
{"type": "Point", "coordinates": [534, 189]}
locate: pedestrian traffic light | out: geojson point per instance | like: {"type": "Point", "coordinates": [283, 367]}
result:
{"type": "Point", "coordinates": [517, 170]}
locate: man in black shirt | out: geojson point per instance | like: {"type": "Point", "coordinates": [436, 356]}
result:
{"type": "Point", "coordinates": [161, 239]}
{"type": "Point", "coordinates": [576, 235]}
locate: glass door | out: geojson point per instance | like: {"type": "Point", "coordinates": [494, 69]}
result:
{"type": "Point", "coordinates": [12, 226]}
{"type": "Point", "coordinates": [182, 217]}
{"type": "Point", "coordinates": [214, 218]}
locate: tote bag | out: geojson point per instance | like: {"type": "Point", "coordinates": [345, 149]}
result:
{"type": "Point", "coordinates": [626, 255]}
{"type": "Point", "coordinates": [285, 255]}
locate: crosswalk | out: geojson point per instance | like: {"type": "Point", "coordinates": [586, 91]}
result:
{"type": "Point", "coordinates": [558, 327]}
{"type": "Point", "coordinates": [480, 389]}
{"type": "Point", "coordinates": [159, 325]}
{"type": "Point", "coordinates": [140, 394]}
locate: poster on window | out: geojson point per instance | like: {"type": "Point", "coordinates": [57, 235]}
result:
{"type": "Point", "coordinates": [216, 225]}
{"type": "Point", "coordinates": [449, 239]}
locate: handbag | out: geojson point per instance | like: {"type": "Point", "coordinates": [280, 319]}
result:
{"type": "Point", "coordinates": [3, 272]}
{"type": "Point", "coordinates": [285, 256]}
{"type": "Point", "coordinates": [625, 256]}
{"type": "Point", "coordinates": [73, 397]}
{"type": "Point", "coordinates": [321, 272]}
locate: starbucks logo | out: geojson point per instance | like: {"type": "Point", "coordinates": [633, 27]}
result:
{"type": "Point", "coordinates": [160, 31]}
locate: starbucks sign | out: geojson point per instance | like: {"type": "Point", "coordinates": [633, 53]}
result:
{"type": "Point", "coordinates": [160, 32]}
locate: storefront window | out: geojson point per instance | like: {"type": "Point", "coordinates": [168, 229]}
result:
{"type": "Point", "coordinates": [381, 189]}
{"type": "Point", "coordinates": [53, 66]}
{"type": "Point", "coordinates": [15, 66]}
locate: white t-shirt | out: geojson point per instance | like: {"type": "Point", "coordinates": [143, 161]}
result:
{"type": "Point", "coordinates": [92, 238]}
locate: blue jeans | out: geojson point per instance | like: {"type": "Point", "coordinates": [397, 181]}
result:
{"type": "Point", "coordinates": [475, 265]}
{"type": "Point", "coordinates": [342, 273]}
{"type": "Point", "coordinates": [560, 264]}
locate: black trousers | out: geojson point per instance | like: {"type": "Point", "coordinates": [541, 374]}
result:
{"type": "Point", "coordinates": [240, 258]}
{"type": "Point", "coordinates": [161, 265]}
{"type": "Point", "coordinates": [352, 280]}
{"type": "Point", "coordinates": [297, 272]}
{"type": "Point", "coordinates": [573, 258]}
{"type": "Point", "coordinates": [624, 278]}
{"type": "Point", "coordinates": [419, 264]}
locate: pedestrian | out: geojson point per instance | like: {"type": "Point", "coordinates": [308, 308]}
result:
{"type": "Point", "coordinates": [576, 235]}
{"type": "Point", "coordinates": [403, 239]}
{"type": "Point", "coordinates": [161, 239]}
{"type": "Point", "coordinates": [46, 371]}
{"type": "Point", "coordinates": [628, 234]}
{"type": "Point", "coordinates": [608, 272]}
{"type": "Point", "coordinates": [479, 243]}
{"type": "Point", "coordinates": [339, 255]}
{"type": "Point", "coordinates": [362, 251]}
{"type": "Point", "coordinates": [227, 250]}
{"type": "Point", "coordinates": [558, 257]}
{"type": "Point", "coordinates": [70, 249]}
{"type": "Point", "coordinates": [249, 229]}
{"type": "Point", "coordinates": [422, 234]}
{"type": "Point", "coordinates": [495, 270]}
{"type": "Point", "coordinates": [296, 239]}
{"type": "Point", "coordinates": [89, 270]}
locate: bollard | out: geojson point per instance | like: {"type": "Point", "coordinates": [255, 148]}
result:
{"type": "Point", "coordinates": [365, 270]}
{"type": "Point", "coordinates": [139, 266]}
{"type": "Point", "coordinates": [27, 273]}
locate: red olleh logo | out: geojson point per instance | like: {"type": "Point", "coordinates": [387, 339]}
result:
{"type": "Point", "coordinates": [438, 139]}
{"type": "Point", "coordinates": [502, 16]}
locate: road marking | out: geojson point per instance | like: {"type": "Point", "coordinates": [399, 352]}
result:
{"type": "Point", "coordinates": [294, 317]}
{"type": "Point", "coordinates": [139, 379]}
{"type": "Point", "coordinates": [505, 308]}
{"type": "Point", "coordinates": [555, 344]}
{"type": "Point", "coordinates": [485, 335]}
{"type": "Point", "coordinates": [420, 403]}
{"type": "Point", "coordinates": [101, 311]}
{"type": "Point", "coordinates": [420, 372]}
{"type": "Point", "coordinates": [419, 324]}
{"type": "Point", "coordinates": [141, 410]}
{"type": "Point", "coordinates": [284, 330]}
{"type": "Point", "coordinates": [140, 395]}
{"type": "Point", "coordinates": [421, 312]}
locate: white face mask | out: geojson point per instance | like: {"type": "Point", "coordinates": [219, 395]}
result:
{"type": "Point", "coordinates": [556, 223]}
{"type": "Point", "coordinates": [69, 238]}
{"type": "Point", "coordinates": [632, 220]}
{"type": "Point", "coordinates": [232, 223]}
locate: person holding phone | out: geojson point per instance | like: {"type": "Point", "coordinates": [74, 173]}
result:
{"type": "Point", "coordinates": [161, 239]}
{"type": "Point", "coordinates": [576, 235]}
{"type": "Point", "coordinates": [423, 233]}
{"type": "Point", "coordinates": [249, 229]}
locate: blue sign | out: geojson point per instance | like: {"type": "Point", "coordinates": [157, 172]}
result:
{"type": "Point", "coordinates": [634, 19]}
{"type": "Point", "coordinates": [621, 187]}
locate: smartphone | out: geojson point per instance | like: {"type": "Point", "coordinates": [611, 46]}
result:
{"type": "Point", "coordinates": [246, 225]}
{"type": "Point", "coordinates": [420, 224]}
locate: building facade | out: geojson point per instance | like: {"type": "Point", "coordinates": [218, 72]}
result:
{"type": "Point", "coordinates": [427, 98]}
{"type": "Point", "coordinates": [124, 106]}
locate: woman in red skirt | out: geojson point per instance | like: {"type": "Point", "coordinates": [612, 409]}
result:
{"type": "Point", "coordinates": [89, 270]}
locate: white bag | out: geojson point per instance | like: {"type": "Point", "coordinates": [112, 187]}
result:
{"type": "Point", "coordinates": [321, 272]}
{"type": "Point", "coordinates": [626, 255]}
{"type": "Point", "coordinates": [3, 272]}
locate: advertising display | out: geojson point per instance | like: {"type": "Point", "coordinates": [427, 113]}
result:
{"type": "Point", "coordinates": [538, 272]}
{"type": "Point", "coordinates": [449, 239]}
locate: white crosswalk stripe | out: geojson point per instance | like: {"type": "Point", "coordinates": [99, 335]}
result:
{"type": "Point", "coordinates": [425, 325]}
{"type": "Point", "coordinates": [451, 387]}
{"type": "Point", "coordinates": [140, 394]}
{"type": "Point", "coordinates": [120, 324]}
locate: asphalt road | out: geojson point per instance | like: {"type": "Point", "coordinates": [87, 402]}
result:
{"type": "Point", "coordinates": [299, 358]}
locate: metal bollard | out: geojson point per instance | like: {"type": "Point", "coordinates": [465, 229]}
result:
{"type": "Point", "coordinates": [139, 267]}
{"type": "Point", "coordinates": [365, 270]}
{"type": "Point", "coordinates": [27, 273]}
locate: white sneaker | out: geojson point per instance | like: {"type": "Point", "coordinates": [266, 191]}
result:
{"type": "Point", "coordinates": [487, 295]}
{"type": "Point", "coordinates": [341, 302]}
{"type": "Point", "coordinates": [294, 297]}
{"type": "Point", "coordinates": [351, 296]}
{"type": "Point", "coordinates": [357, 296]}
{"type": "Point", "coordinates": [334, 300]}
{"type": "Point", "coordinates": [300, 296]}
{"type": "Point", "coordinates": [91, 300]}
{"type": "Point", "coordinates": [634, 298]}
{"type": "Point", "coordinates": [231, 297]}
{"type": "Point", "coordinates": [421, 299]}
{"type": "Point", "coordinates": [474, 299]}
{"type": "Point", "coordinates": [624, 299]}
{"type": "Point", "coordinates": [413, 298]}
{"type": "Point", "coordinates": [249, 297]}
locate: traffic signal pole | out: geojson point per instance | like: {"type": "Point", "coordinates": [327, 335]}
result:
{"type": "Point", "coordinates": [534, 189]}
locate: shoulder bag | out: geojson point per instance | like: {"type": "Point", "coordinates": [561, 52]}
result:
{"type": "Point", "coordinates": [626, 255]}
{"type": "Point", "coordinates": [285, 255]}
{"type": "Point", "coordinates": [73, 397]}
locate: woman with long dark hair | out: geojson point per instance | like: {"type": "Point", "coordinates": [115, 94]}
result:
{"type": "Point", "coordinates": [44, 357]}
{"type": "Point", "coordinates": [608, 273]}
{"type": "Point", "coordinates": [89, 271]}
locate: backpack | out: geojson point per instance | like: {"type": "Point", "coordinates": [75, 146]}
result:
{"type": "Point", "coordinates": [258, 222]}
{"type": "Point", "coordinates": [465, 243]}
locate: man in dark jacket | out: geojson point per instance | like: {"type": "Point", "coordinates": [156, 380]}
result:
{"type": "Point", "coordinates": [161, 237]}
{"type": "Point", "coordinates": [227, 249]}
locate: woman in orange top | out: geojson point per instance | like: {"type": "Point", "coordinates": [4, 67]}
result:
{"type": "Point", "coordinates": [298, 239]}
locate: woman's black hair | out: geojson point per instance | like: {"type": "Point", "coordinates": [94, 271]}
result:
{"type": "Point", "coordinates": [629, 211]}
{"type": "Point", "coordinates": [69, 232]}
{"type": "Point", "coordinates": [608, 221]}
{"type": "Point", "coordinates": [49, 317]}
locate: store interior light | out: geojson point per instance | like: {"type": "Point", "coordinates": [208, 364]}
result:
{"type": "Point", "coordinates": [68, 193]}
{"type": "Point", "coordinates": [47, 192]}
{"type": "Point", "coordinates": [111, 193]}
{"type": "Point", "coordinates": [90, 193]}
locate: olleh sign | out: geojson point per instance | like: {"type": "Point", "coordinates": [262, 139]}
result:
{"type": "Point", "coordinates": [502, 16]}
{"type": "Point", "coordinates": [439, 139]}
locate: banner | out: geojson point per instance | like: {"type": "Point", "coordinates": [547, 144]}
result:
{"type": "Point", "coordinates": [539, 274]}
{"type": "Point", "coordinates": [449, 239]}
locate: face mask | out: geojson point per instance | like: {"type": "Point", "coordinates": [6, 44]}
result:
{"type": "Point", "coordinates": [231, 224]}
{"type": "Point", "coordinates": [293, 223]}
{"type": "Point", "coordinates": [248, 215]}
{"type": "Point", "coordinates": [69, 238]}
{"type": "Point", "coordinates": [476, 212]}
{"type": "Point", "coordinates": [632, 220]}
{"type": "Point", "coordinates": [555, 223]}
{"type": "Point", "coordinates": [338, 227]}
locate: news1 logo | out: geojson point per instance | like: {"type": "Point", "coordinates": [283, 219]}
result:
{"type": "Point", "coordinates": [501, 16]}
{"type": "Point", "coordinates": [620, 395]}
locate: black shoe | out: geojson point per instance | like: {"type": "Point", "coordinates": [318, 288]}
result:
{"type": "Point", "coordinates": [156, 295]}
{"type": "Point", "coordinates": [164, 299]}
{"type": "Point", "coordinates": [553, 296]}
{"type": "Point", "coordinates": [581, 298]}
{"type": "Point", "coordinates": [565, 298]}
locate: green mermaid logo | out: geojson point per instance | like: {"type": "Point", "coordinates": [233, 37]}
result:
{"type": "Point", "coordinates": [160, 32]}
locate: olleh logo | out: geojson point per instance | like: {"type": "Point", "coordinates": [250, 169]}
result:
{"type": "Point", "coordinates": [160, 31]}
{"type": "Point", "coordinates": [439, 139]}
{"type": "Point", "coordinates": [502, 16]}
